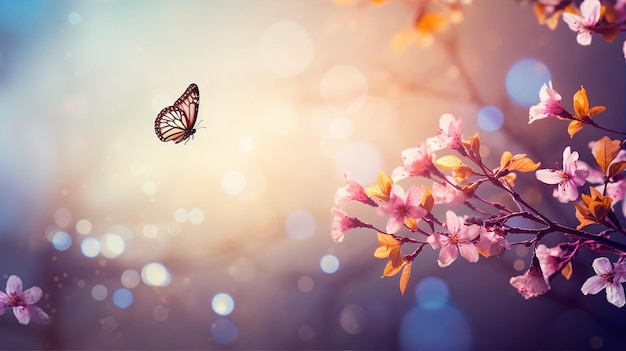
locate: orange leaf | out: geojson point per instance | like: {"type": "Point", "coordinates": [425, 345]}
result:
{"type": "Point", "coordinates": [472, 146]}
{"type": "Point", "coordinates": [411, 223]}
{"type": "Point", "coordinates": [595, 110]}
{"type": "Point", "coordinates": [581, 103]}
{"type": "Point", "coordinates": [574, 127]}
{"type": "Point", "coordinates": [382, 189]}
{"type": "Point", "coordinates": [404, 278]}
{"type": "Point", "coordinates": [428, 201]}
{"type": "Point", "coordinates": [391, 269]}
{"type": "Point", "coordinates": [615, 168]}
{"type": "Point", "coordinates": [605, 150]}
{"type": "Point", "coordinates": [609, 32]}
{"type": "Point", "coordinates": [567, 270]}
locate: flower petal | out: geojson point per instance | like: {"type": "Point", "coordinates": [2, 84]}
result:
{"type": "Point", "coordinates": [615, 294]}
{"type": "Point", "coordinates": [593, 285]}
{"type": "Point", "coordinates": [14, 285]}
{"type": "Point", "coordinates": [602, 265]}
{"type": "Point", "coordinates": [469, 252]}
{"type": "Point", "coordinates": [32, 295]}
{"type": "Point", "coordinates": [549, 176]}
{"type": "Point", "coordinates": [447, 255]}
{"type": "Point", "coordinates": [38, 315]}
{"type": "Point", "coordinates": [22, 314]}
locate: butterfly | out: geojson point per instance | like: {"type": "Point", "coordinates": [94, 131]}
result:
{"type": "Point", "coordinates": [177, 122]}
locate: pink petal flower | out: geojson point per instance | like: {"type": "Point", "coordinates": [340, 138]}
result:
{"type": "Point", "coordinates": [532, 283]}
{"type": "Point", "coordinates": [447, 194]}
{"type": "Point", "coordinates": [417, 161]}
{"type": "Point", "coordinates": [609, 277]}
{"type": "Point", "coordinates": [569, 179]}
{"type": "Point", "coordinates": [460, 239]}
{"type": "Point", "coordinates": [549, 104]}
{"type": "Point", "coordinates": [493, 243]}
{"type": "Point", "coordinates": [353, 190]}
{"type": "Point", "coordinates": [553, 259]}
{"type": "Point", "coordinates": [448, 135]}
{"type": "Point", "coordinates": [584, 25]}
{"type": "Point", "coordinates": [342, 223]}
{"type": "Point", "coordinates": [402, 205]}
{"type": "Point", "coordinates": [21, 302]}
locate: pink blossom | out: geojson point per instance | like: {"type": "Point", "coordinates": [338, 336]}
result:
{"type": "Point", "coordinates": [569, 179]}
{"type": "Point", "coordinates": [549, 104]}
{"type": "Point", "coordinates": [416, 161]}
{"type": "Point", "coordinates": [584, 25]}
{"type": "Point", "coordinates": [353, 190]}
{"type": "Point", "coordinates": [448, 194]}
{"type": "Point", "coordinates": [607, 277]}
{"type": "Point", "coordinates": [624, 49]}
{"type": "Point", "coordinates": [401, 206]}
{"type": "Point", "coordinates": [460, 238]}
{"type": "Point", "coordinates": [448, 135]}
{"type": "Point", "coordinates": [22, 302]}
{"type": "Point", "coordinates": [532, 283]}
{"type": "Point", "coordinates": [553, 259]}
{"type": "Point", "coordinates": [342, 223]}
{"type": "Point", "coordinates": [492, 243]}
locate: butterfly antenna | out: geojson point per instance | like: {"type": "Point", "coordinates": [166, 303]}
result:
{"type": "Point", "coordinates": [199, 124]}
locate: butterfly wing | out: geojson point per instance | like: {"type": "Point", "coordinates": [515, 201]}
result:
{"type": "Point", "coordinates": [170, 125]}
{"type": "Point", "coordinates": [189, 103]}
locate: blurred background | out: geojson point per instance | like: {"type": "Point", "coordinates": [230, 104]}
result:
{"type": "Point", "coordinates": [224, 242]}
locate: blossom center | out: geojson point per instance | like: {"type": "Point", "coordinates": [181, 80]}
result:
{"type": "Point", "coordinates": [608, 277]}
{"type": "Point", "coordinates": [15, 300]}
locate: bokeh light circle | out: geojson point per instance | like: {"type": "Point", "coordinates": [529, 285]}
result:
{"type": "Point", "coordinates": [196, 216]}
{"type": "Point", "coordinates": [329, 264]}
{"type": "Point", "coordinates": [112, 245]}
{"type": "Point", "coordinates": [224, 331]}
{"type": "Point", "coordinates": [233, 182]}
{"type": "Point", "coordinates": [130, 278]}
{"type": "Point", "coordinates": [149, 188]}
{"type": "Point", "coordinates": [305, 283]}
{"type": "Point", "coordinates": [90, 247]}
{"type": "Point", "coordinates": [490, 118]}
{"type": "Point", "coordinates": [432, 293]}
{"type": "Point", "coordinates": [300, 224]}
{"type": "Point", "coordinates": [181, 215]}
{"type": "Point", "coordinates": [74, 18]}
{"type": "Point", "coordinates": [83, 227]}
{"type": "Point", "coordinates": [353, 319]}
{"type": "Point", "coordinates": [99, 292]}
{"type": "Point", "coordinates": [61, 241]}
{"type": "Point", "coordinates": [223, 304]}
{"type": "Point", "coordinates": [155, 274]}
{"type": "Point", "coordinates": [122, 298]}
{"type": "Point", "coordinates": [524, 80]}
{"type": "Point", "coordinates": [444, 328]}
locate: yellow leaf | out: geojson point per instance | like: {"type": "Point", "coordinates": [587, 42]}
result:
{"type": "Point", "coordinates": [604, 151]}
{"type": "Point", "coordinates": [510, 178]}
{"type": "Point", "coordinates": [382, 189]}
{"type": "Point", "coordinates": [449, 162]}
{"type": "Point", "coordinates": [404, 278]}
{"type": "Point", "coordinates": [584, 216]}
{"type": "Point", "coordinates": [484, 253]}
{"type": "Point", "coordinates": [391, 269]}
{"type": "Point", "coordinates": [428, 201]}
{"type": "Point", "coordinates": [567, 270]}
{"type": "Point", "coordinates": [540, 12]}
{"type": "Point", "coordinates": [574, 127]}
{"type": "Point", "coordinates": [382, 252]}
{"type": "Point", "coordinates": [504, 160]}
{"type": "Point", "coordinates": [581, 104]}
{"type": "Point", "coordinates": [411, 223]}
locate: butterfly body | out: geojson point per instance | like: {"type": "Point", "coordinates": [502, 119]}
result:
{"type": "Point", "coordinates": [177, 122]}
